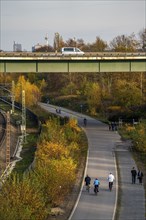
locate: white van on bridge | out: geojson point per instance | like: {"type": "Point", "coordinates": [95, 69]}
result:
{"type": "Point", "coordinates": [71, 51]}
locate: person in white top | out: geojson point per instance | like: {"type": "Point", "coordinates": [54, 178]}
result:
{"type": "Point", "coordinates": [111, 180]}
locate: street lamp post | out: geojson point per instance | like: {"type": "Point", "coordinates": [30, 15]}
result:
{"type": "Point", "coordinates": [81, 106]}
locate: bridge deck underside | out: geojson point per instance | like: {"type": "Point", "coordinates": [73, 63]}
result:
{"type": "Point", "coordinates": [73, 66]}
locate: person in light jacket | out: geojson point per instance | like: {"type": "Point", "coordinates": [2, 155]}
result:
{"type": "Point", "coordinates": [111, 180]}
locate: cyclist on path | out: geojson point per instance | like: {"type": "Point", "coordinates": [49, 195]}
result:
{"type": "Point", "coordinates": [111, 180]}
{"type": "Point", "coordinates": [96, 185]}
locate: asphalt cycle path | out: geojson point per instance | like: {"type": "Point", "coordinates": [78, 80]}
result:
{"type": "Point", "coordinates": [100, 162]}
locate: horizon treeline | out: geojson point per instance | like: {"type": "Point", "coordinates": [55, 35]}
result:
{"type": "Point", "coordinates": [120, 43]}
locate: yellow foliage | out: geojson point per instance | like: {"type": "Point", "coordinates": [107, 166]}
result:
{"type": "Point", "coordinates": [73, 146]}
{"type": "Point", "coordinates": [141, 132]}
{"type": "Point", "coordinates": [19, 200]}
{"type": "Point", "coordinates": [93, 93]}
{"type": "Point", "coordinates": [58, 177]}
{"type": "Point", "coordinates": [129, 128]}
{"type": "Point", "coordinates": [114, 108]}
{"type": "Point", "coordinates": [73, 124]}
{"type": "Point", "coordinates": [32, 92]}
{"type": "Point", "coordinates": [52, 131]}
{"type": "Point", "coordinates": [48, 150]}
{"type": "Point", "coordinates": [74, 150]}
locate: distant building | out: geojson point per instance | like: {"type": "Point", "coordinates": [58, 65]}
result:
{"type": "Point", "coordinates": [17, 47]}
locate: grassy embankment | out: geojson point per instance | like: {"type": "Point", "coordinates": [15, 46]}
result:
{"type": "Point", "coordinates": [27, 182]}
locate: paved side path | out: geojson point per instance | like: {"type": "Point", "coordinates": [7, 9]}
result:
{"type": "Point", "coordinates": [132, 195]}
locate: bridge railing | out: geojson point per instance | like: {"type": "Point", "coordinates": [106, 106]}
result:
{"type": "Point", "coordinates": [88, 54]}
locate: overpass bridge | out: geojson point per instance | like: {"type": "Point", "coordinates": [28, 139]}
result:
{"type": "Point", "coordinates": [23, 62]}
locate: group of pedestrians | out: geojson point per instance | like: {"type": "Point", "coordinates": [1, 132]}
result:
{"type": "Point", "coordinates": [113, 126]}
{"type": "Point", "coordinates": [138, 175]}
{"type": "Point", "coordinates": [134, 173]}
{"type": "Point", "coordinates": [58, 110]}
{"type": "Point", "coordinates": [96, 182]}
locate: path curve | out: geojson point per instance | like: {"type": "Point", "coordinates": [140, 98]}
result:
{"type": "Point", "coordinates": [101, 160]}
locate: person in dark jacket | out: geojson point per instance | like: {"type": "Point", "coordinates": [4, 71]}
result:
{"type": "Point", "coordinates": [85, 122]}
{"type": "Point", "coordinates": [140, 176]}
{"type": "Point", "coordinates": [134, 174]}
{"type": "Point", "coordinates": [87, 182]}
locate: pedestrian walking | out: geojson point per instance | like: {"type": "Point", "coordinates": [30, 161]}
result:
{"type": "Point", "coordinates": [134, 174]}
{"type": "Point", "coordinates": [85, 121]}
{"type": "Point", "coordinates": [109, 126]}
{"type": "Point", "coordinates": [87, 182]}
{"type": "Point", "coordinates": [140, 176]}
{"type": "Point", "coordinates": [113, 126]}
{"type": "Point", "coordinates": [111, 180]}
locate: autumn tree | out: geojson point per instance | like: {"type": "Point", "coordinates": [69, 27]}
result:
{"type": "Point", "coordinates": [5, 78]}
{"type": "Point", "coordinates": [52, 131]}
{"type": "Point", "coordinates": [56, 163]}
{"type": "Point", "coordinates": [32, 92]}
{"type": "Point", "coordinates": [80, 43]}
{"type": "Point", "coordinates": [142, 35]}
{"type": "Point", "coordinates": [126, 93]}
{"type": "Point", "coordinates": [99, 45]}
{"type": "Point", "coordinates": [51, 150]}
{"type": "Point", "coordinates": [137, 134]}
{"type": "Point", "coordinates": [52, 179]}
{"type": "Point", "coordinates": [71, 42]}
{"type": "Point", "coordinates": [56, 178]}
{"type": "Point", "coordinates": [58, 42]}
{"type": "Point", "coordinates": [124, 43]}
{"type": "Point", "coordinates": [72, 131]}
{"type": "Point", "coordinates": [22, 199]}
{"type": "Point", "coordinates": [42, 85]}
{"type": "Point", "coordinates": [93, 94]}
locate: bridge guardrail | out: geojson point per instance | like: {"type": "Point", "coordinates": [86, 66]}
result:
{"type": "Point", "coordinates": [58, 54]}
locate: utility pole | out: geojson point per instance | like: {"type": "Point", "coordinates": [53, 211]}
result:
{"type": "Point", "coordinates": [13, 96]}
{"type": "Point", "coordinates": [23, 126]}
{"type": "Point", "coordinates": [8, 140]}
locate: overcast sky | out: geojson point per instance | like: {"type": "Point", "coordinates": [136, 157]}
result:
{"type": "Point", "coordinates": [27, 22]}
